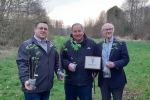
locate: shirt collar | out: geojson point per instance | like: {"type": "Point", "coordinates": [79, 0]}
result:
{"type": "Point", "coordinates": [111, 40]}
{"type": "Point", "coordinates": [39, 40]}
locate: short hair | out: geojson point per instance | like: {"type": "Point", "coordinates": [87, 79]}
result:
{"type": "Point", "coordinates": [77, 24]}
{"type": "Point", "coordinates": [110, 24]}
{"type": "Point", "coordinates": [36, 24]}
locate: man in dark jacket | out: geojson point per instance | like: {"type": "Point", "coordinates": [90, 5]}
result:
{"type": "Point", "coordinates": [46, 62]}
{"type": "Point", "coordinates": [78, 81]}
{"type": "Point", "coordinates": [114, 56]}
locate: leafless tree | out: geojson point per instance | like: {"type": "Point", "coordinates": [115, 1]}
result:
{"type": "Point", "coordinates": [93, 29]}
{"type": "Point", "coordinates": [17, 19]}
{"type": "Point", "coordinates": [89, 27]}
{"type": "Point", "coordinates": [136, 12]}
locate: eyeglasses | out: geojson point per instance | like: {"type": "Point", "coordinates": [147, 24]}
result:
{"type": "Point", "coordinates": [41, 28]}
{"type": "Point", "coordinates": [110, 29]}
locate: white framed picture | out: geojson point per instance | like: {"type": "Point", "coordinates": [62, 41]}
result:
{"type": "Point", "coordinates": [92, 62]}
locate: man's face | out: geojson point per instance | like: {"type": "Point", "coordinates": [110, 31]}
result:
{"type": "Point", "coordinates": [41, 31]}
{"type": "Point", "coordinates": [108, 31]}
{"type": "Point", "coordinates": [77, 33]}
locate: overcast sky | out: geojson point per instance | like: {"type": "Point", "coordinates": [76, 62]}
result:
{"type": "Point", "coordinates": [72, 11]}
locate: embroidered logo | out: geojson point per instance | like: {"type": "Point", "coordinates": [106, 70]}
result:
{"type": "Point", "coordinates": [88, 48]}
{"type": "Point", "coordinates": [51, 45]}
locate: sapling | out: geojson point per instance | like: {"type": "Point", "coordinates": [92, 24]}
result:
{"type": "Point", "coordinates": [76, 47]}
{"type": "Point", "coordinates": [59, 45]}
{"type": "Point", "coordinates": [106, 70]}
{"type": "Point", "coordinates": [33, 61]}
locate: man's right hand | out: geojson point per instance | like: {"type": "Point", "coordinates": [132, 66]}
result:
{"type": "Point", "coordinates": [71, 68]}
{"type": "Point", "coordinates": [27, 86]}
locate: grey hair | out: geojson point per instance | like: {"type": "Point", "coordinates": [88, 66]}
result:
{"type": "Point", "coordinates": [77, 24]}
{"type": "Point", "coordinates": [110, 24]}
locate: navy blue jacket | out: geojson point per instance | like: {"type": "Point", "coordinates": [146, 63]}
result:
{"type": "Point", "coordinates": [48, 63]}
{"type": "Point", "coordinates": [81, 76]}
{"type": "Point", "coordinates": [120, 58]}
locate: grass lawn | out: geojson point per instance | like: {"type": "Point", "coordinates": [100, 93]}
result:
{"type": "Point", "coordinates": [137, 72]}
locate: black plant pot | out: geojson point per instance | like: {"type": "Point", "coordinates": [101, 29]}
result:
{"type": "Point", "coordinates": [32, 83]}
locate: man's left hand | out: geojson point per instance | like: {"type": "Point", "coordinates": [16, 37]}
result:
{"type": "Point", "coordinates": [94, 75]}
{"type": "Point", "coordinates": [110, 64]}
{"type": "Point", "coordinates": [62, 78]}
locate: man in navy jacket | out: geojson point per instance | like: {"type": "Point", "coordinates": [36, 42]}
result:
{"type": "Point", "coordinates": [114, 51]}
{"type": "Point", "coordinates": [78, 83]}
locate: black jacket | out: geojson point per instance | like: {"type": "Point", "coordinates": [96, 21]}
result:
{"type": "Point", "coordinates": [81, 76]}
{"type": "Point", "coordinates": [48, 62]}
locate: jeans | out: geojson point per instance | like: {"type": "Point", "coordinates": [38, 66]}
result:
{"type": "Point", "coordinates": [74, 91]}
{"type": "Point", "coordinates": [37, 96]}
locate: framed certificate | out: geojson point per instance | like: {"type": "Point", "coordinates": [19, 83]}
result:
{"type": "Point", "coordinates": [92, 62]}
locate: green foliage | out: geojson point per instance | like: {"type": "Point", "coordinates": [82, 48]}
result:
{"type": "Point", "coordinates": [37, 52]}
{"type": "Point", "coordinates": [36, 47]}
{"type": "Point", "coordinates": [30, 46]}
{"type": "Point", "coordinates": [74, 44]}
{"type": "Point", "coordinates": [59, 42]}
{"type": "Point", "coordinates": [33, 59]}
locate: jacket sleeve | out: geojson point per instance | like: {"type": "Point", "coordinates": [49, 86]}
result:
{"type": "Point", "coordinates": [64, 60]}
{"type": "Point", "coordinates": [97, 50]}
{"type": "Point", "coordinates": [22, 62]}
{"type": "Point", "coordinates": [56, 61]}
{"type": "Point", "coordinates": [96, 53]}
{"type": "Point", "coordinates": [124, 57]}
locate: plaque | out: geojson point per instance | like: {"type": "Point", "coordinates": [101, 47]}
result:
{"type": "Point", "coordinates": [92, 62]}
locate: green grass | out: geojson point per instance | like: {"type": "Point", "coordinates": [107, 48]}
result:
{"type": "Point", "coordinates": [137, 72]}
{"type": "Point", "coordinates": [138, 69]}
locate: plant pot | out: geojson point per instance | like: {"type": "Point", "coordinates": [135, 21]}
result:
{"type": "Point", "coordinates": [32, 83]}
{"type": "Point", "coordinates": [59, 74]}
{"type": "Point", "coordinates": [106, 72]}
{"type": "Point", "coordinates": [74, 65]}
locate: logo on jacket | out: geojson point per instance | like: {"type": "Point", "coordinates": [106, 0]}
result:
{"type": "Point", "coordinates": [88, 48]}
{"type": "Point", "coordinates": [51, 45]}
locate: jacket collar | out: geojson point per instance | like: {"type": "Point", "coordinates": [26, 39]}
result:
{"type": "Point", "coordinates": [49, 44]}
{"type": "Point", "coordinates": [39, 40]}
{"type": "Point", "coordinates": [85, 38]}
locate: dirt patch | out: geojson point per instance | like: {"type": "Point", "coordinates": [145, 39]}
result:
{"type": "Point", "coordinates": [7, 47]}
{"type": "Point", "coordinates": [130, 95]}
{"type": "Point", "coordinates": [5, 52]}
{"type": "Point", "coordinates": [130, 38]}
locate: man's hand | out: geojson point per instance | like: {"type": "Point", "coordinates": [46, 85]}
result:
{"type": "Point", "coordinates": [110, 64]}
{"type": "Point", "coordinates": [94, 75]}
{"type": "Point", "coordinates": [71, 68]}
{"type": "Point", "coordinates": [62, 78]}
{"type": "Point", "coordinates": [27, 86]}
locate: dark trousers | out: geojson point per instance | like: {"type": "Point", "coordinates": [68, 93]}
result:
{"type": "Point", "coordinates": [37, 96]}
{"type": "Point", "coordinates": [73, 91]}
{"type": "Point", "coordinates": [106, 92]}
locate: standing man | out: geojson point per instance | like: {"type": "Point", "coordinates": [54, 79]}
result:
{"type": "Point", "coordinates": [47, 64]}
{"type": "Point", "coordinates": [118, 58]}
{"type": "Point", "coordinates": [78, 82]}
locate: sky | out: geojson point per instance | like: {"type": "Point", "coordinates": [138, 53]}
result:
{"type": "Point", "coordinates": [78, 11]}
